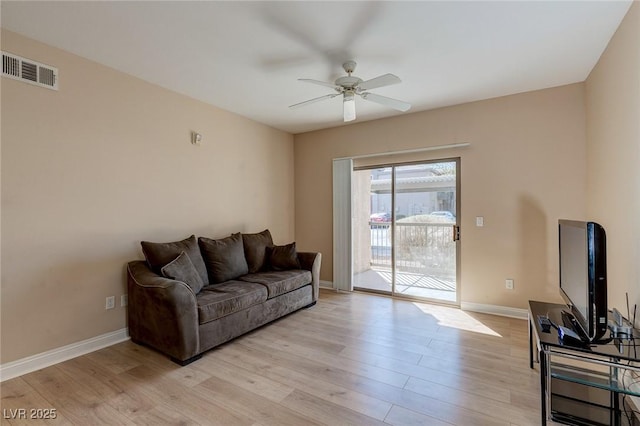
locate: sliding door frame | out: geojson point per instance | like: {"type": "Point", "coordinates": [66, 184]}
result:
{"type": "Point", "coordinates": [392, 227]}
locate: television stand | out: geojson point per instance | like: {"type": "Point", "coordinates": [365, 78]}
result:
{"type": "Point", "coordinates": [583, 383]}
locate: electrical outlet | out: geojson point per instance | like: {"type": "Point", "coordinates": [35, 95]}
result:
{"type": "Point", "coordinates": [123, 300]}
{"type": "Point", "coordinates": [508, 283]}
{"type": "Point", "coordinates": [110, 303]}
{"type": "Point", "coordinates": [479, 221]}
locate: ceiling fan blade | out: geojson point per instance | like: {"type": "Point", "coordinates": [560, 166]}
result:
{"type": "Point", "coordinates": [383, 100]}
{"type": "Point", "coordinates": [380, 81]}
{"type": "Point", "coordinates": [321, 83]}
{"type": "Point", "coordinates": [314, 100]}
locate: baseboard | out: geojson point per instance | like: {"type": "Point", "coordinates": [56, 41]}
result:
{"type": "Point", "coordinates": [45, 359]}
{"type": "Point", "coordinates": [503, 311]}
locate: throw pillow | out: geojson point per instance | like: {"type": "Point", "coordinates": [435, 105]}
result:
{"type": "Point", "coordinates": [181, 268]}
{"type": "Point", "coordinates": [255, 249]}
{"type": "Point", "coordinates": [159, 254]}
{"type": "Point", "coordinates": [224, 258]}
{"type": "Point", "coordinates": [282, 258]}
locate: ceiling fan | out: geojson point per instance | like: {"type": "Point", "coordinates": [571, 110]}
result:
{"type": "Point", "coordinates": [349, 86]}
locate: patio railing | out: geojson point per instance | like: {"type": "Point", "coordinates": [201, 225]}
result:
{"type": "Point", "coordinates": [425, 248]}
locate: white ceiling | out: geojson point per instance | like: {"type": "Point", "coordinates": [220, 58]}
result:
{"type": "Point", "coordinates": [246, 57]}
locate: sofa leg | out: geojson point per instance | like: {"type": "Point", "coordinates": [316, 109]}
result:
{"type": "Point", "coordinates": [309, 305]}
{"type": "Point", "coordinates": [186, 361]}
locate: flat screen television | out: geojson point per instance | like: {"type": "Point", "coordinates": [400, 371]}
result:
{"type": "Point", "coordinates": [583, 275]}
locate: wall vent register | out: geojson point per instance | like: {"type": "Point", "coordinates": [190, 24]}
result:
{"type": "Point", "coordinates": [29, 71]}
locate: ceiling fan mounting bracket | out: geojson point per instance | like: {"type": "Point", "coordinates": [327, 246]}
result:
{"type": "Point", "coordinates": [349, 66]}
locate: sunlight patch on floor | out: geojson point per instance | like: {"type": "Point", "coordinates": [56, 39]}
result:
{"type": "Point", "coordinates": [455, 318]}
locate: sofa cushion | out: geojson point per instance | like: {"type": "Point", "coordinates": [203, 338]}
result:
{"type": "Point", "coordinates": [159, 254]}
{"type": "Point", "coordinates": [282, 258]}
{"type": "Point", "coordinates": [218, 300]}
{"type": "Point", "coordinates": [255, 249]}
{"type": "Point", "coordinates": [280, 282]}
{"type": "Point", "coordinates": [181, 268]}
{"type": "Point", "coordinates": [224, 258]}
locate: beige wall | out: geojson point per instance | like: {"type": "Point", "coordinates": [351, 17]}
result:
{"type": "Point", "coordinates": [525, 169]}
{"type": "Point", "coordinates": [90, 170]}
{"type": "Point", "coordinates": [613, 135]}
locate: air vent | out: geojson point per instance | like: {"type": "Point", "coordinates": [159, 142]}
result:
{"type": "Point", "coordinates": [28, 71]}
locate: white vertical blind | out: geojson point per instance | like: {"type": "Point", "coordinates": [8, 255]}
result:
{"type": "Point", "coordinates": [342, 248]}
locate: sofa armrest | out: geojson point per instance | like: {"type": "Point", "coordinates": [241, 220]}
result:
{"type": "Point", "coordinates": [162, 313]}
{"type": "Point", "coordinates": [312, 262]}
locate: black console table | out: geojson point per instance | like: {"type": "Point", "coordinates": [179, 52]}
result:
{"type": "Point", "coordinates": [582, 383]}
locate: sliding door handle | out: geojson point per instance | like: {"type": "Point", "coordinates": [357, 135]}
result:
{"type": "Point", "coordinates": [456, 233]}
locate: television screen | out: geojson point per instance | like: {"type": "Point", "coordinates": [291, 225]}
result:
{"type": "Point", "coordinates": [583, 275]}
{"type": "Point", "coordinates": [574, 267]}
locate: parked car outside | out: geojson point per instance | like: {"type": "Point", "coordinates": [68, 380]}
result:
{"type": "Point", "coordinates": [380, 220]}
{"type": "Point", "coordinates": [444, 213]}
{"type": "Point", "coordinates": [380, 217]}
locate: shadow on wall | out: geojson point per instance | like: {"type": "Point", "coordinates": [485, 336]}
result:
{"type": "Point", "coordinates": [533, 257]}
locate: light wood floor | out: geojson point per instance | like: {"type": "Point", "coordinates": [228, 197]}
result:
{"type": "Point", "coordinates": [353, 358]}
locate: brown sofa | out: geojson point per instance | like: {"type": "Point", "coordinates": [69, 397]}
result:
{"type": "Point", "coordinates": [193, 295]}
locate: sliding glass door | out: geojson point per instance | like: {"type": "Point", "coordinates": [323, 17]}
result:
{"type": "Point", "coordinates": [405, 230]}
{"type": "Point", "coordinates": [372, 206]}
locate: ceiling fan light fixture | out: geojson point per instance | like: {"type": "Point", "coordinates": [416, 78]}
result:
{"type": "Point", "coordinates": [349, 107]}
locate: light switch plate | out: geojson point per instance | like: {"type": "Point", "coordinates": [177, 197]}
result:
{"type": "Point", "coordinates": [110, 302]}
{"type": "Point", "coordinates": [479, 221]}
